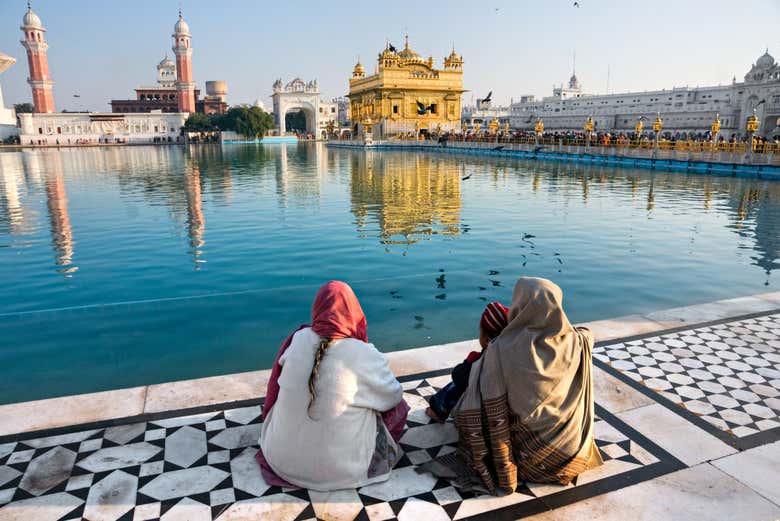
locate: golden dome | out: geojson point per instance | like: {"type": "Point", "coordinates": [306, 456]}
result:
{"type": "Point", "coordinates": [408, 54]}
{"type": "Point", "coordinates": [359, 70]}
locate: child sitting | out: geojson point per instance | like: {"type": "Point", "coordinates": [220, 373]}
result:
{"type": "Point", "coordinates": [494, 320]}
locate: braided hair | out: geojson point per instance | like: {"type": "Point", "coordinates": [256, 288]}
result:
{"type": "Point", "coordinates": [325, 343]}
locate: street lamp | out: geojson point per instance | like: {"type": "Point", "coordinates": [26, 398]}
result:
{"type": "Point", "coordinates": [658, 124]}
{"type": "Point", "coordinates": [638, 128]}
{"type": "Point", "coordinates": [494, 126]}
{"type": "Point", "coordinates": [752, 127]}
{"type": "Point", "coordinates": [588, 128]}
{"type": "Point", "coordinates": [715, 128]}
{"type": "Point", "coordinates": [538, 129]}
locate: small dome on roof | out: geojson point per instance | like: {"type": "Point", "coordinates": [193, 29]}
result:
{"type": "Point", "coordinates": [766, 60]}
{"type": "Point", "coordinates": [408, 54]}
{"type": "Point", "coordinates": [31, 19]}
{"type": "Point", "coordinates": [166, 63]}
{"type": "Point", "coordinates": [181, 26]}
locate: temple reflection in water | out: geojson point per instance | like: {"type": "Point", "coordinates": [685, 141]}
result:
{"type": "Point", "coordinates": [408, 197]}
{"type": "Point", "coordinates": [396, 199]}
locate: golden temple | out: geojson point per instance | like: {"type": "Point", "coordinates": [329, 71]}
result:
{"type": "Point", "coordinates": [406, 95]}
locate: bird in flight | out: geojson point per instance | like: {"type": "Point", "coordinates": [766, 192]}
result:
{"type": "Point", "coordinates": [391, 47]}
{"type": "Point", "coordinates": [422, 109]}
{"type": "Point", "coordinates": [488, 98]}
{"type": "Point", "coordinates": [576, 4]}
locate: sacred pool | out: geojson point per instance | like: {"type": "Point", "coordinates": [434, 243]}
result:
{"type": "Point", "coordinates": [135, 265]}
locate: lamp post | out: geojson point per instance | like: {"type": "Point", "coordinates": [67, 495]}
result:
{"type": "Point", "coordinates": [752, 127]}
{"type": "Point", "coordinates": [715, 129]}
{"type": "Point", "coordinates": [493, 126]}
{"type": "Point", "coordinates": [538, 130]}
{"type": "Point", "coordinates": [588, 128]}
{"type": "Point", "coordinates": [638, 129]}
{"type": "Point", "coordinates": [658, 124]}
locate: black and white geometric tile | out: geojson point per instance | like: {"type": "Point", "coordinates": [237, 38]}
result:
{"type": "Point", "coordinates": [202, 467]}
{"type": "Point", "coordinates": [725, 374]}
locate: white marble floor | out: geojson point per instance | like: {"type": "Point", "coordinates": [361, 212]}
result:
{"type": "Point", "coordinates": [668, 454]}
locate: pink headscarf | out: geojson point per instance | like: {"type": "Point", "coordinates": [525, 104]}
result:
{"type": "Point", "coordinates": [336, 313]}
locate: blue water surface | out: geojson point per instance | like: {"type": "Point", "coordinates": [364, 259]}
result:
{"type": "Point", "coordinates": [136, 265]}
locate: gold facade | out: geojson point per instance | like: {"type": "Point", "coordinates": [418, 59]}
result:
{"type": "Point", "coordinates": [390, 99]}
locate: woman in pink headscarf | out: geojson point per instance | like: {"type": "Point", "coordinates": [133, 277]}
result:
{"type": "Point", "coordinates": [333, 410]}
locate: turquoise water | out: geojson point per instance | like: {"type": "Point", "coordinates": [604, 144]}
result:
{"type": "Point", "coordinates": [130, 266]}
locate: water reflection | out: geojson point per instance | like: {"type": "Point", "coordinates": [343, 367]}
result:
{"type": "Point", "coordinates": [395, 199]}
{"type": "Point", "coordinates": [408, 197]}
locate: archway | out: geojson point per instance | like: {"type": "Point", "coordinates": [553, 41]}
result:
{"type": "Point", "coordinates": [297, 96]}
{"type": "Point", "coordinates": [308, 116]}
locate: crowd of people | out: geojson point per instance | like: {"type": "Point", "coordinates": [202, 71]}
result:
{"type": "Point", "coordinates": [523, 405]}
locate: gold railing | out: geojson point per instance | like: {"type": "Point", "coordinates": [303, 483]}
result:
{"type": "Point", "coordinates": [620, 143]}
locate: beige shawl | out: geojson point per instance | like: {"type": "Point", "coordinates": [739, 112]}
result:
{"type": "Point", "coordinates": [528, 410]}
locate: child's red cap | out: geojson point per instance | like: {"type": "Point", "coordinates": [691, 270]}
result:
{"type": "Point", "coordinates": [494, 319]}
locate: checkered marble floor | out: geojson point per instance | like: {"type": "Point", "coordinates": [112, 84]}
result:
{"type": "Point", "coordinates": [724, 376]}
{"type": "Point", "coordinates": [202, 467]}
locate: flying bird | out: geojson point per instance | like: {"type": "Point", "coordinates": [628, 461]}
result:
{"type": "Point", "coordinates": [422, 109]}
{"type": "Point", "coordinates": [464, 178]}
{"type": "Point", "coordinates": [77, 95]}
{"type": "Point", "coordinates": [391, 47]}
{"type": "Point", "coordinates": [576, 4]}
{"type": "Point", "coordinates": [488, 98]}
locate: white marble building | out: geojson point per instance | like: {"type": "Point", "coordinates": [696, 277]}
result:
{"type": "Point", "coordinates": [70, 128]}
{"type": "Point", "coordinates": [7, 116]}
{"type": "Point", "coordinates": [683, 109]}
{"type": "Point", "coordinates": [297, 95]}
{"type": "Point", "coordinates": [482, 114]}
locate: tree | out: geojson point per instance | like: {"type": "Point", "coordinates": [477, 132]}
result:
{"type": "Point", "coordinates": [23, 108]}
{"type": "Point", "coordinates": [199, 123]}
{"type": "Point", "coordinates": [249, 121]}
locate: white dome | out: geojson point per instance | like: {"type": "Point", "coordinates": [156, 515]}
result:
{"type": "Point", "coordinates": [166, 63]}
{"type": "Point", "coordinates": [31, 20]}
{"type": "Point", "coordinates": [181, 26]}
{"type": "Point", "coordinates": [766, 60]}
{"type": "Point", "coordinates": [259, 103]}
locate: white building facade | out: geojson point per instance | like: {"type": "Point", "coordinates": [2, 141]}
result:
{"type": "Point", "coordinates": [70, 128]}
{"type": "Point", "coordinates": [7, 116]}
{"type": "Point", "coordinates": [482, 114]}
{"type": "Point", "coordinates": [683, 110]}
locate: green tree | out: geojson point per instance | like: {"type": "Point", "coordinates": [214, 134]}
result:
{"type": "Point", "coordinates": [23, 108]}
{"type": "Point", "coordinates": [249, 121]}
{"type": "Point", "coordinates": [199, 123]}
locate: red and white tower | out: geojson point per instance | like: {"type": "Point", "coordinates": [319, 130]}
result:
{"type": "Point", "coordinates": [40, 78]}
{"type": "Point", "coordinates": [185, 87]}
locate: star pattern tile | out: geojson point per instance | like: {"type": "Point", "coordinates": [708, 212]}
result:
{"type": "Point", "coordinates": [727, 374]}
{"type": "Point", "coordinates": [202, 467]}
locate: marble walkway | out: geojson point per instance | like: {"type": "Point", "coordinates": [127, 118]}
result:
{"type": "Point", "coordinates": [688, 406]}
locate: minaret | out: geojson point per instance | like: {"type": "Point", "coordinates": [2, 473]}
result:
{"type": "Point", "coordinates": [185, 87]}
{"type": "Point", "coordinates": [40, 79]}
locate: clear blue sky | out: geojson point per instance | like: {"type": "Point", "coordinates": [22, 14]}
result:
{"type": "Point", "coordinates": [103, 49]}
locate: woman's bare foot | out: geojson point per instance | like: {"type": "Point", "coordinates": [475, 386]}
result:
{"type": "Point", "coordinates": [432, 415]}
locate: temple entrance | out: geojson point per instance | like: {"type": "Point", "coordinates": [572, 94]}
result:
{"type": "Point", "coordinates": [296, 106]}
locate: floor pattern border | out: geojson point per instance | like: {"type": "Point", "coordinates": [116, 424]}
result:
{"type": "Point", "coordinates": [747, 442]}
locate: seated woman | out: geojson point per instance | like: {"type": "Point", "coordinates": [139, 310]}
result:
{"type": "Point", "coordinates": [323, 422]}
{"type": "Point", "coordinates": [528, 410]}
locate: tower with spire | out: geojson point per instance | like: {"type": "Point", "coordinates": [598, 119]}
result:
{"type": "Point", "coordinates": [40, 79]}
{"type": "Point", "coordinates": [185, 87]}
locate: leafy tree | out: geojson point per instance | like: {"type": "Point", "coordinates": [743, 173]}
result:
{"type": "Point", "coordinates": [249, 121]}
{"type": "Point", "coordinates": [199, 123]}
{"type": "Point", "coordinates": [23, 108]}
